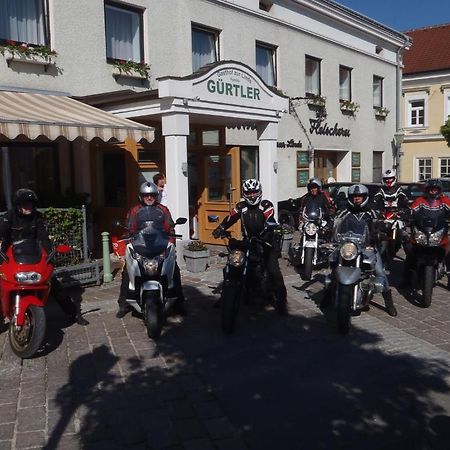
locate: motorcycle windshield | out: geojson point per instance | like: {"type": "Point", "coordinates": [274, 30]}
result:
{"type": "Point", "coordinates": [150, 241]}
{"type": "Point", "coordinates": [26, 251]}
{"type": "Point", "coordinates": [351, 229]}
{"type": "Point", "coordinates": [312, 210]}
{"type": "Point", "coordinates": [429, 218]}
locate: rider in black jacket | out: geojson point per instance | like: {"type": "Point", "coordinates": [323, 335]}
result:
{"type": "Point", "coordinates": [25, 222]}
{"type": "Point", "coordinates": [257, 219]}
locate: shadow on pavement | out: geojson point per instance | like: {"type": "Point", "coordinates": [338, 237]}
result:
{"type": "Point", "coordinates": [284, 383]}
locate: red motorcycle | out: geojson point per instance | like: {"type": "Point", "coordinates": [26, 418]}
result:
{"type": "Point", "coordinates": [26, 273]}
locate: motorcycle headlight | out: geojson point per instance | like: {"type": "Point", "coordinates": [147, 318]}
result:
{"type": "Point", "coordinates": [236, 258]}
{"type": "Point", "coordinates": [349, 251]}
{"type": "Point", "coordinates": [310, 229]}
{"type": "Point", "coordinates": [28, 277]}
{"type": "Point", "coordinates": [436, 238]}
{"type": "Point", "coordinates": [420, 237]}
{"type": "Point", "coordinates": [150, 266]}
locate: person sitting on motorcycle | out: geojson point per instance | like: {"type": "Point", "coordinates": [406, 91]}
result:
{"type": "Point", "coordinates": [148, 209]}
{"type": "Point", "coordinates": [433, 199]}
{"type": "Point", "coordinates": [257, 220]}
{"type": "Point", "coordinates": [315, 193]}
{"type": "Point", "coordinates": [358, 199]}
{"type": "Point", "coordinates": [24, 221]}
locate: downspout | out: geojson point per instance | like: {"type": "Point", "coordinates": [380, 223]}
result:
{"type": "Point", "coordinates": [398, 127]}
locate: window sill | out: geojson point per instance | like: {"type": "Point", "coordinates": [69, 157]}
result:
{"type": "Point", "coordinates": [130, 73]}
{"type": "Point", "coordinates": [37, 60]}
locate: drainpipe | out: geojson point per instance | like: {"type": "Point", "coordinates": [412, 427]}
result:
{"type": "Point", "coordinates": [7, 188]}
{"type": "Point", "coordinates": [398, 127]}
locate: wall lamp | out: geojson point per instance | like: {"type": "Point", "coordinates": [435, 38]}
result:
{"type": "Point", "coordinates": [275, 166]}
{"type": "Point", "coordinates": [184, 168]}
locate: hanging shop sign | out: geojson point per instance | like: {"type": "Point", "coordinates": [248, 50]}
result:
{"type": "Point", "coordinates": [289, 144]}
{"type": "Point", "coordinates": [323, 129]}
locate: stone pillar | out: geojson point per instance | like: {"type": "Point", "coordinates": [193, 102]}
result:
{"type": "Point", "coordinates": [175, 129]}
{"type": "Point", "coordinates": [268, 162]}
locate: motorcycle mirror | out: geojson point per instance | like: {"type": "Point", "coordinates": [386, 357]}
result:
{"type": "Point", "coordinates": [213, 218]}
{"type": "Point", "coordinates": [62, 248]}
{"type": "Point", "coordinates": [180, 221]}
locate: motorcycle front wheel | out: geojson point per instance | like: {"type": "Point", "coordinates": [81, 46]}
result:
{"type": "Point", "coordinates": [231, 299]}
{"type": "Point", "coordinates": [344, 302]}
{"type": "Point", "coordinates": [308, 263]}
{"type": "Point", "coordinates": [153, 314]}
{"type": "Point", "coordinates": [26, 341]}
{"type": "Point", "coordinates": [428, 280]}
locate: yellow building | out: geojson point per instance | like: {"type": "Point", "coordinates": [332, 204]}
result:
{"type": "Point", "coordinates": [426, 105]}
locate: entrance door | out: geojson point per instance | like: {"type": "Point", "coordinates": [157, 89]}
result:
{"type": "Point", "coordinates": [218, 188]}
{"type": "Point", "coordinates": [325, 165]}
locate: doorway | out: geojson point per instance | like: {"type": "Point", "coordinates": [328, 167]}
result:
{"type": "Point", "coordinates": [213, 189]}
{"type": "Point", "coordinates": [325, 164]}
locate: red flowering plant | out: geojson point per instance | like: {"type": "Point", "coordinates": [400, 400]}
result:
{"type": "Point", "coordinates": [128, 67]}
{"type": "Point", "coordinates": [23, 48]}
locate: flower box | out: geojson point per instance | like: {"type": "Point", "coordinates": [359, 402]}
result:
{"type": "Point", "coordinates": [381, 113]}
{"type": "Point", "coordinates": [128, 73]}
{"type": "Point", "coordinates": [39, 60]}
{"type": "Point", "coordinates": [196, 261]}
{"type": "Point", "coordinates": [349, 107]}
{"type": "Point", "coordinates": [316, 101]}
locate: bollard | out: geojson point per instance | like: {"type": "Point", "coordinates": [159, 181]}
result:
{"type": "Point", "coordinates": [107, 275]}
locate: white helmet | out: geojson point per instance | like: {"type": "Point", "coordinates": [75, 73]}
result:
{"type": "Point", "coordinates": [252, 191]}
{"type": "Point", "coordinates": [389, 178]}
{"type": "Point", "coordinates": [358, 190]}
{"type": "Point", "coordinates": [148, 188]}
{"type": "Point", "coordinates": [314, 182]}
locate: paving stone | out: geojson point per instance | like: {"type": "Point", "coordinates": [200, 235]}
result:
{"type": "Point", "coordinates": [231, 444]}
{"type": "Point", "coordinates": [189, 429]}
{"type": "Point", "coordinates": [8, 414]}
{"type": "Point", "coordinates": [208, 410]}
{"type": "Point", "coordinates": [219, 428]}
{"type": "Point", "coordinates": [30, 439]}
{"type": "Point", "coordinates": [31, 419]}
{"type": "Point", "coordinates": [198, 444]}
{"type": "Point", "coordinates": [5, 445]}
{"type": "Point", "coordinates": [6, 431]}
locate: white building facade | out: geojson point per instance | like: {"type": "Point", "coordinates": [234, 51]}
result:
{"type": "Point", "coordinates": [328, 79]}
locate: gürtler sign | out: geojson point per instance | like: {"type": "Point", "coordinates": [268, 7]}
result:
{"type": "Point", "coordinates": [233, 83]}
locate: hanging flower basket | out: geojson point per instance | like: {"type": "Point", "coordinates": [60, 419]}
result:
{"type": "Point", "coordinates": [196, 256]}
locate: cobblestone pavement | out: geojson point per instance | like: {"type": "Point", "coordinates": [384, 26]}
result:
{"type": "Point", "coordinates": [277, 383]}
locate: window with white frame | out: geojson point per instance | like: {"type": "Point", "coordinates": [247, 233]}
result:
{"type": "Point", "coordinates": [204, 47]}
{"type": "Point", "coordinates": [424, 168]}
{"type": "Point", "coordinates": [124, 35]}
{"type": "Point", "coordinates": [446, 104]}
{"type": "Point", "coordinates": [444, 167]}
{"type": "Point", "coordinates": [266, 63]}
{"type": "Point", "coordinates": [23, 21]}
{"type": "Point", "coordinates": [312, 75]}
{"type": "Point", "coordinates": [416, 110]}
{"type": "Point", "coordinates": [345, 83]}
{"type": "Point", "coordinates": [377, 92]}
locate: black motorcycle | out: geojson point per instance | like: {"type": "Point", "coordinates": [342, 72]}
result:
{"type": "Point", "coordinates": [245, 277]}
{"type": "Point", "coordinates": [310, 252]}
{"type": "Point", "coordinates": [429, 238]}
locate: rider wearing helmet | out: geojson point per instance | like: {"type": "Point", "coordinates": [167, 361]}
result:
{"type": "Point", "coordinates": [390, 195]}
{"type": "Point", "coordinates": [358, 205]}
{"type": "Point", "coordinates": [24, 221]}
{"type": "Point", "coordinates": [150, 210]}
{"type": "Point", "coordinates": [433, 199]}
{"type": "Point", "coordinates": [256, 216]}
{"type": "Point", "coordinates": [315, 192]}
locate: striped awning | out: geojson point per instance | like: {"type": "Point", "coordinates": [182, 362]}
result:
{"type": "Point", "coordinates": [52, 116]}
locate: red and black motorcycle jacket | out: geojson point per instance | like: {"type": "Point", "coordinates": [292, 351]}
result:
{"type": "Point", "coordinates": [156, 213]}
{"type": "Point", "coordinates": [391, 199]}
{"type": "Point", "coordinates": [15, 226]}
{"type": "Point", "coordinates": [255, 219]}
{"type": "Point", "coordinates": [441, 202]}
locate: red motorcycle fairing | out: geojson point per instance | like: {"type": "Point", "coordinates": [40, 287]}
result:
{"type": "Point", "coordinates": [30, 294]}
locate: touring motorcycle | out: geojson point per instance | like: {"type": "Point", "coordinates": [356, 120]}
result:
{"type": "Point", "coordinates": [150, 261]}
{"type": "Point", "coordinates": [353, 281]}
{"type": "Point", "coordinates": [26, 273]}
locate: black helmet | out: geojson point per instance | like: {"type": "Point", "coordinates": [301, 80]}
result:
{"type": "Point", "coordinates": [25, 195]}
{"type": "Point", "coordinates": [358, 190]}
{"type": "Point", "coordinates": [433, 184]}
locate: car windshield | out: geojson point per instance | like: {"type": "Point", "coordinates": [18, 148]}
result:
{"type": "Point", "coordinates": [312, 210]}
{"type": "Point", "coordinates": [27, 251]}
{"type": "Point", "coordinates": [351, 229]}
{"type": "Point", "coordinates": [150, 241]}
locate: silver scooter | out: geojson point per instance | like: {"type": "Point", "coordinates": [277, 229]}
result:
{"type": "Point", "coordinates": [150, 261]}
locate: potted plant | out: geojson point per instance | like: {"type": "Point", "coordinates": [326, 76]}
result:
{"type": "Point", "coordinates": [287, 235]}
{"type": "Point", "coordinates": [196, 256]}
{"type": "Point", "coordinates": [130, 69]}
{"type": "Point", "coordinates": [348, 106]}
{"type": "Point", "coordinates": [28, 53]}
{"type": "Point", "coordinates": [316, 100]}
{"type": "Point", "coordinates": [381, 112]}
